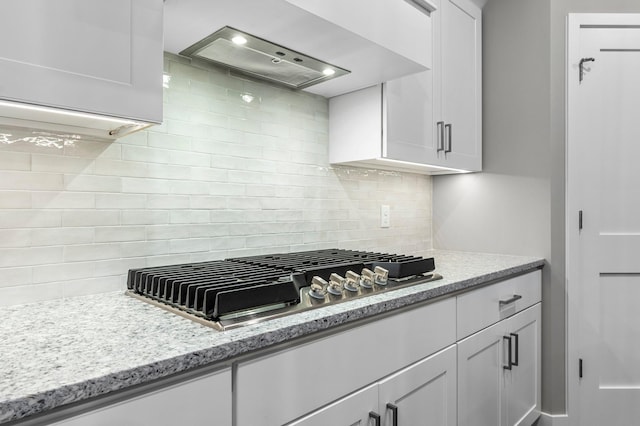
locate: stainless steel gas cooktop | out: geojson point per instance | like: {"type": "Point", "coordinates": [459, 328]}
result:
{"type": "Point", "coordinates": [230, 293]}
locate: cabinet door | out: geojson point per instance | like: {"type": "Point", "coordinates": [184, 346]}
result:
{"type": "Point", "coordinates": [352, 410]}
{"type": "Point", "coordinates": [409, 119]}
{"type": "Point", "coordinates": [524, 379]}
{"type": "Point", "coordinates": [481, 378]}
{"type": "Point", "coordinates": [458, 72]}
{"type": "Point", "coordinates": [93, 56]}
{"type": "Point", "coordinates": [424, 393]}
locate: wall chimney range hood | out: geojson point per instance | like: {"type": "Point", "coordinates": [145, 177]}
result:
{"type": "Point", "coordinates": [260, 58]}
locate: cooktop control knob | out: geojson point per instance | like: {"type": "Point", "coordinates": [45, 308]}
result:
{"type": "Point", "coordinates": [336, 283]}
{"type": "Point", "coordinates": [318, 288]}
{"type": "Point", "coordinates": [381, 275]}
{"type": "Point", "coordinates": [367, 278]}
{"type": "Point", "coordinates": [352, 281]}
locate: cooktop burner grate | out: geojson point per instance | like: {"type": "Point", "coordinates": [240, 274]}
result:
{"type": "Point", "coordinates": [243, 286]}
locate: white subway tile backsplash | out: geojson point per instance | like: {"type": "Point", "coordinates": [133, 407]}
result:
{"type": "Point", "coordinates": [62, 272]}
{"type": "Point", "coordinates": [115, 167]}
{"type": "Point", "coordinates": [12, 277]}
{"type": "Point", "coordinates": [167, 201]}
{"type": "Point", "coordinates": [189, 245]}
{"type": "Point", "coordinates": [119, 233]}
{"type": "Point", "coordinates": [189, 216]}
{"type": "Point", "coordinates": [166, 232]}
{"type": "Point", "coordinates": [92, 183]}
{"type": "Point", "coordinates": [15, 238]}
{"type": "Point", "coordinates": [85, 252]}
{"type": "Point", "coordinates": [144, 217]}
{"type": "Point", "coordinates": [92, 286]}
{"type": "Point", "coordinates": [145, 186]}
{"type": "Point", "coordinates": [63, 200]}
{"type": "Point", "coordinates": [30, 293]}
{"type": "Point", "coordinates": [12, 257]}
{"type": "Point", "coordinates": [15, 161]}
{"type": "Point", "coordinates": [11, 219]}
{"type": "Point", "coordinates": [15, 200]}
{"type": "Point", "coordinates": [144, 248]}
{"type": "Point", "coordinates": [62, 236]}
{"type": "Point", "coordinates": [55, 163]}
{"type": "Point", "coordinates": [188, 187]}
{"type": "Point", "coordinates": [121, 201]}
{"type": "Point", "coordinates": [19, 180]}
{"type": "Point", "coordinates": [90, 217]}
{"type": "Point", "coordinates": [219, 178]}
{"type": "Point", "coordinates": [167, 141]}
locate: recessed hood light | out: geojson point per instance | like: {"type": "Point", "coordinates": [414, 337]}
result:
{"type": "Point", "coordinates": [260, 58]}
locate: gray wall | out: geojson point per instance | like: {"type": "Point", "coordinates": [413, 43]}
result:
{"type": "Point", "coordinates": [517, 205]}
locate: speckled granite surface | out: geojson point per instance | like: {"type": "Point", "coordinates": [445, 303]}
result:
{"type": "Point", "coordinates": [64, 351]}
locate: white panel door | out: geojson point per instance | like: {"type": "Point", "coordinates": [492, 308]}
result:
{"type": "Point", "coordinates": [604, 148]}
{"type": "Point", "coordinates": [423, 394]}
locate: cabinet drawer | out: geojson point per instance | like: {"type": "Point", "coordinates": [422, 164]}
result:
{"type": "Point", "coordinates": [480, 308]}
{"type": "Point", "coordinates": [313, 374]}
{"type": "Point", "coordinates": [190, 402]}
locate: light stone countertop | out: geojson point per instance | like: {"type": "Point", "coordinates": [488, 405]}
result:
{"type": "Point", "coordinates": [59, 352]}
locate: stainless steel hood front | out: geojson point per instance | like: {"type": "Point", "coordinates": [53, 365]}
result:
{"type": "Point", "coordinates": [260, 58]}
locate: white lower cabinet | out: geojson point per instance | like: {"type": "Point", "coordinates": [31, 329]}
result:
{"type": "Point", "coordinates": [499, 372]}
{"type": "Point", "coordinates": [200, 401]}
{"type": "Point", "coordinates": [310, 377]}
{"type": "Point", "coordinates": [471, 359]}
{"type": "Point", "coordinates": [421, 394]}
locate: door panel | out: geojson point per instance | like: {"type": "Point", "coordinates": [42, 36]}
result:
{"type": "Point", "coordinates": [524, 378]}
{"type": "Point", "coordinates": [425, 393]}
{"type": "Point", "coordinates": [461, 81]}
{"type": "Point", "coordinates": [608, 101]}
{"type": "Point", "coordinates": [481, 380]}
{"type": "Point", "coordinates": [409, 109]}
{"type": "Point", "coordinates": [350, 411]}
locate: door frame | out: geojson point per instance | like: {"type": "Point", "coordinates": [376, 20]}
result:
{"type": "Point", "coordinates": [572, 203]}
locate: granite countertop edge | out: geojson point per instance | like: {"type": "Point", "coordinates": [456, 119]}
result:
{"type": "Point", "coordinates": [271, 333]}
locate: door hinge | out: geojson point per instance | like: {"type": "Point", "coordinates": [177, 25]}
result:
{"type": "Point", "coordinates": [580, 368]}
{"type": "Point", "coordinates": [580, 220]}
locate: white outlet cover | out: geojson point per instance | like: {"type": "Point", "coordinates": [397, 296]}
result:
{"type": "Point", "coordinates": [385, 216]}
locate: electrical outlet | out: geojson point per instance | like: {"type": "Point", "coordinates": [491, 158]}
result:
{"type": "Point", "coordinates": [385, 216]}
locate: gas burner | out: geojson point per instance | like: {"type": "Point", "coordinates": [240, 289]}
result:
{"type": "Point", "coordinates": [233, 292]}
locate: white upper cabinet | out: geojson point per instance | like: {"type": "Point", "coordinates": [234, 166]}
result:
{"type": "Point", "coordinates": [429, 122]}
{"type": "Point", "coordinates": [89, 56]}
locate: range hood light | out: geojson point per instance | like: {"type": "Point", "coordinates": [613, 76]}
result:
{"type": "Point", "coordinates": [260, 58]}
{"type": "Point", "coordinates": [239, 40]}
